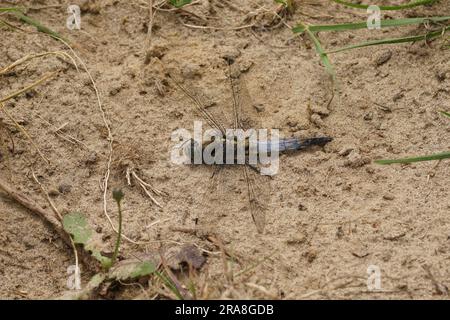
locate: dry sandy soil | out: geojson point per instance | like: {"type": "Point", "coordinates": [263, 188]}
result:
{"type": "Point", "coordinates": [332, 211]}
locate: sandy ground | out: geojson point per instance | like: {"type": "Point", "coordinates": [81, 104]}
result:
{"type": "Point", "coordinates": [332, 213]}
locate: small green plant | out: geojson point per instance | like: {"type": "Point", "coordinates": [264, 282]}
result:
{"type": "Point", "coordinates": [179, 3]}
{"type": "Point", "coordinates": [437, 156]}
{"type": "Point", "coordinates": [289, 4]}
{"type": "Point", "coordinates": [76, 225]}
{"type": "Point", "coordinates": [118, 197]}
{"type": "Point", "coordinates": [82, 234]}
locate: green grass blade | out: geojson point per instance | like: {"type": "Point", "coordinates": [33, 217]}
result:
{"type": "Point", "coordinates": [39, 27]}
{"type": "Point", "coordinates": [446, 114]}
{"type": "Point", "coordinates": [438, 156]}
{"type": "Point", "coordinates": [12, 9]}
{"type": "Point", "coordinates": [19, 13]}
{"type": "Point", "coordinates": [411, 4]}
{"type": "Point", "coordinates": [322, 54]}
{"type": "Point", "coordinates": [427, 36]}
{"type": "Point", "coordinates": [179, 3]}
{"type": "Point", "coordinates": [168, 282]}
{"type": "Point", "coordinates": [300, 28]}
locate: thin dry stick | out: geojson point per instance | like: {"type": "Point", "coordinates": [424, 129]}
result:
{"type": "Point", "coordinates": [50, 202]}
{"type": "Point", "coordinates": [338, 286]}
{"type": "Point", "coordinates": [263, 290]}
{"type": "Point", "coordinates": [6, 23]}
{"type": "Point", "coordinates": [144, 185]}
{"type": "Point", "coordinates": [149, 195]}
{"type": "Point", "coordinates": [226, 270]}
{"type": "Point", "coordinates": [34, 207]}
{"type": "Point", "coordinates": [60, 218]}
{"type": "Point", "coordinates": [48, 217]}
{"type": "Point", "coordinates": [28, 57]}
{"type": "Point", "coordinates": [68, 137]}
{"type": "Point", "coordinates": [150, 26]}
{"type": "Point", "coordinates": [110, 139]}
{"type": "Point", "coordinates": [149, 30]}
{"type": "Point", "coordinates": [24, 132]}
{"type": "Point", "coordinates": [56, 130]}
{"type": "Point", "coordinates": [34, 84]}
{"type": "Point", "coordinates": [218, 28]}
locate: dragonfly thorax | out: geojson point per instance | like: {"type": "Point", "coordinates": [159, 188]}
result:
{"type": "Point", "coordinates": [222, 149]}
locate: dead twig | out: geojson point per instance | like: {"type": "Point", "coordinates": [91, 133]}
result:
{"type": "Point", "coordinates": [48, 217]}
{"type": "Point", "coordinates": [144, 185]}
{"type": "Point", "coordinates": [24, 132]}
{"type": "Point", "coordinates": [60, 218]}
{"type": "Point", "coordinates": [34, 84]}
{"type": "Point", "coordinates": [36, 208]}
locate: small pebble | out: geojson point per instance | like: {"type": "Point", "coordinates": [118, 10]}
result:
{"type": "Point", "coordinates": [191, 70]}
{"type": "Point", "coordinates": [320, 110]}
{"type": "Point", "coordinates": [230, 54]}
{"type": "Point", "coordinates": [53, 193]}
{"type": "Point", "coordinates": [441, 75]}
{"type": "Point", "coordinates": [388, 197]}
{"type": "Point", "coordinates": [317, 120]}
{"type": "Point", "coordinates": [64, 188]}
{"type": "Point", "coordinates": [259, 108]}
{"type": "Point", "coordinates": [92, 158]}
{"type": "Point", "coordinates": [345, 151]}
{"type": "Point", "coordinates": [297, 240]}
{"type": "Point", "coordinates": [368, 116]}
{"type": "Point", "coordinates": [398, 96]}
{"type": "Point", "coordinates": [384, 57]}
{"type": "Point", "coordinates": [355, 160]}
{"type": "Point", "coordinates": [156, 50]}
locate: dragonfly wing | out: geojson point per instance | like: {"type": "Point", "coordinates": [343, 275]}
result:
{"type": "Point", "coordinates": [259, 196]}
{"type": "Point", "coordinates": [245, 114]}
{"type": "Point", "coordinates": [213, 116]}
{"type": "Point", "coordinates": [246, 117]}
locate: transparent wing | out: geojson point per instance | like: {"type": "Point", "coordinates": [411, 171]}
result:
{"type": "Point", "coordinates": [230, 189]}
{"type": "Point", "coordinates": [228, 195]}
{"type": "Point", "coordinates": [246, 117]}
{"type": "Point", "coordinates": [213, 118]}
{"type": "Point", "coordinates": [244, 112]}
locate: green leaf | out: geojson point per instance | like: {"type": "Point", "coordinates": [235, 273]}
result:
{"type": "Point", "coordinates": [39, 27]}
{"type": "Point", "coordinates": [438, 156]}
{"type": "Point", "coordinates": [411, 4]}
{"type": "Point", "coordinates": [363, 25]}
{"type": "Point", "coordinates": [283, 2]}
{"type": "Point", "coordinates": [446, 114]}
{"type": "Point", "coordinates": [12, 9]}
{"type": "Point", "coordinates": [128, 270]}
{"type": "Point", "coordinates": [75, 224]}
{"type": "Point", "coordinates": [19, 12]}
{"type": "Point", "coordinates": [322, 54]}
{"type": "Point", "coordinates": [179, 3]}
{"type": "Point", "coordinates": [427, 36]}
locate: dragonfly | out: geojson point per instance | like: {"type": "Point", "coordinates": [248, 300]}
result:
{"type": "Point", "coordinates": [240, 113]}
